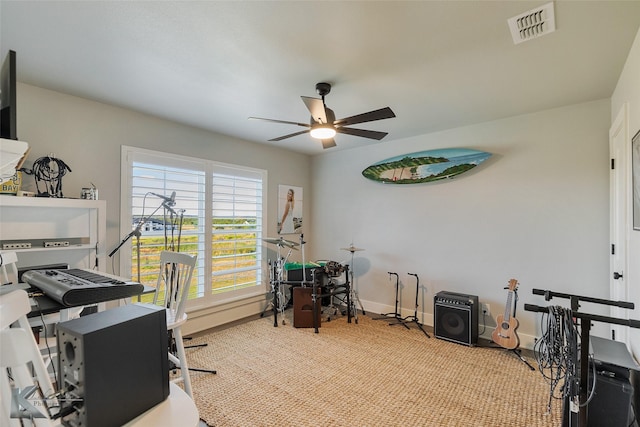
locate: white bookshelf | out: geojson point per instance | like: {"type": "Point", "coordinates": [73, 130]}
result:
{"type": "Point", "coordinates": [46, 231]}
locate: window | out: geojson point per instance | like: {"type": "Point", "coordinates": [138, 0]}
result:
{"type": "Point", "coordinates": [218, 216]}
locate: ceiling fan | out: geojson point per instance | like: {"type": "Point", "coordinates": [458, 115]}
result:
{"type": "Point", "coordinates": [323, 124]}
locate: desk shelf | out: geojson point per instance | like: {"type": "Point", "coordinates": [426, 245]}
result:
{"type": "Point", "coordinates": [35, 220]}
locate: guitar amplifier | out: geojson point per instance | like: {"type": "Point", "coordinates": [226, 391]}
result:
{"type": "Point", "coordinates": [456, 317]}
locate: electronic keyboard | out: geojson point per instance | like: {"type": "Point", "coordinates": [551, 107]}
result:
{"type": "Point", "coordinates": [75, 287]}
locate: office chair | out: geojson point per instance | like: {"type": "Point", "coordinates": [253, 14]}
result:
{"type": "Point", "coordinates": [172, 291]}
{"type": "Point", "coordinates": [22, 366]}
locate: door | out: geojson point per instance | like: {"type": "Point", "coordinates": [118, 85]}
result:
{"type": "Point", "coordinates": [619, 218]}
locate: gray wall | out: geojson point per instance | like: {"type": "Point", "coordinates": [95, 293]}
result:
{"type": "Point", "coordinates": [537, 211]}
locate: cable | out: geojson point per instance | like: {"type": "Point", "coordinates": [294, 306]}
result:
{"type": "Point", "coordinates": [48, 170]}
{"type": "Point", "coordinates": [557, 352]}
{"type": "Point", "coordinates": [46, 342]}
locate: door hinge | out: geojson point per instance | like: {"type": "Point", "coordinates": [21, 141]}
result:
{"type": "Point", "coordinates": [613, 164]}
{"type": "Point", "coordinates": [613, 249]}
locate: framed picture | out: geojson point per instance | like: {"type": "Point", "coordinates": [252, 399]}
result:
{"type": "Point", "coordinates": [289, 209]}
{"type": "Point", "coordinates": [635, 171]}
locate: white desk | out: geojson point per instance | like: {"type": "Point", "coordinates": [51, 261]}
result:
{"type": "Point", "coordinates": [176, 410]}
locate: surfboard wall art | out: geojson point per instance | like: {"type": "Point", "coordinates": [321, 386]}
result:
{"type": "Point", "coordinates": [425, 166]}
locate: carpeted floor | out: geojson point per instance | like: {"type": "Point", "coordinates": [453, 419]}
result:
{"type": "Point", "coordinates": [357, 375]}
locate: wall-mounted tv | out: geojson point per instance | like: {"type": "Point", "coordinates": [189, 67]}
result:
{"type": "Point", "coordinates": [8, 109]}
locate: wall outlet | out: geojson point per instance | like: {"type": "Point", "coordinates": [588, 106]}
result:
{"type": "Point", "coordinates": [486, 308]}
{"type": "Point", "coordinates": [6, 246]}
{"type": "Point", "coordinates": [56, 244]}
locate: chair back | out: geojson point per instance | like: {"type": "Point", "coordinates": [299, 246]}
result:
{"type": "Point", "coordinates": [174, 279]}
{"type": "Point", "coordinates": [8, 268]}
{"type": "Point", "coordinates": [21, 364]}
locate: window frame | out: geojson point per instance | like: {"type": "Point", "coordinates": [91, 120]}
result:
{"type": "Point", "coordinates": [130, 154]}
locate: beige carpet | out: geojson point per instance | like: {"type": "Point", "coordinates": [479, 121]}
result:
{"type": "Point", "coordinates": [357, 375]}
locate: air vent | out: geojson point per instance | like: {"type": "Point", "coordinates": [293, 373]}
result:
{"type": "Point", "coordinates": [532, 24]}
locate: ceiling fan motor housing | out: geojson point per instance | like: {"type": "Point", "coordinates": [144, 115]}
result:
{"type": "Point", "coordinates": [323, 89]}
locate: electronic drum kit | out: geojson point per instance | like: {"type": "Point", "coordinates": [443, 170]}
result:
{"type": "Point", "coordinates": [332, 269]}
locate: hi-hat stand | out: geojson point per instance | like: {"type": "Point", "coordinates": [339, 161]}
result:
{"type": "Point", "coordinates": [398, 319]}
{"type": "Point", "coordinates": [276, 297]}
{"type": "Point", "coordinates": [278, 301]}
{"type": "Point", "coordinates": [414, 318]}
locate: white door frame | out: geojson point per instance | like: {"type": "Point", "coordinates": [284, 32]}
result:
{"type": "Point", "coordinates": [620, 151]}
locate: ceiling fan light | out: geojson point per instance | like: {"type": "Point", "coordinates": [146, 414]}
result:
{"type": "Point", "coordinates": [323, 132]}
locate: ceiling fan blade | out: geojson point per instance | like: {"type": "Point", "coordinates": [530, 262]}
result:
{"type": "Point", "coordinates": [316, 108]}
{"type": "Point", "coordinates": [280, 121]}
{"type": "Point", "coordinates": [280, 138]}
{"type": "Point", "coordinates": [371, 134]}
{"type": "Point", "coordinates": [328, 143]}
{"type": "Point", "coordinates": [383, 113]}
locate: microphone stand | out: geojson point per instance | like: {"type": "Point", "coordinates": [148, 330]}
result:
{"type": "Point", "coordinates": [136, 232]}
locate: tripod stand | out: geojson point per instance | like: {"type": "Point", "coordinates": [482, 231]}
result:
{"type": "Point", "coordinates": [395, 315]}
{"type": "Point", "coordinates": [174, 350]}
{"type": "Point", "coordinates": [414, 318]}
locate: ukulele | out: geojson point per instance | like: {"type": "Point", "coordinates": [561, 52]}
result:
{"type": "Point", "coordinates": [505, 333]}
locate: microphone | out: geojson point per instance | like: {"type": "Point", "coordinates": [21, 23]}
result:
{"type": "Point", "coordinates": [169, 200]}
{"type": "Point", "coordinates": [168, 205]}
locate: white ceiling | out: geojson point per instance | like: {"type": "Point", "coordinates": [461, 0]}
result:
{"type": "Point", "coordinates": [212, 64]}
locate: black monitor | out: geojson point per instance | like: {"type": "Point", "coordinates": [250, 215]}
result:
{"type": "Point", "coordinates": [8, 109]}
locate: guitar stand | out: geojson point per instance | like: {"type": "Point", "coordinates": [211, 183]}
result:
{"type": "Point", "coordinates": [517, 351]}
{"type": "Point", "coordinates": [414, 318]}
{"type": "Point", "coordinates": [399, 320]}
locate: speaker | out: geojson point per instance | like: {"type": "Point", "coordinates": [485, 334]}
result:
{"type": "Point", "coordinates": [113, 365]}
{"type": "Point", "coordinates": [455, 317]}
{"type": "Point", "coordinates": [611, 404]}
